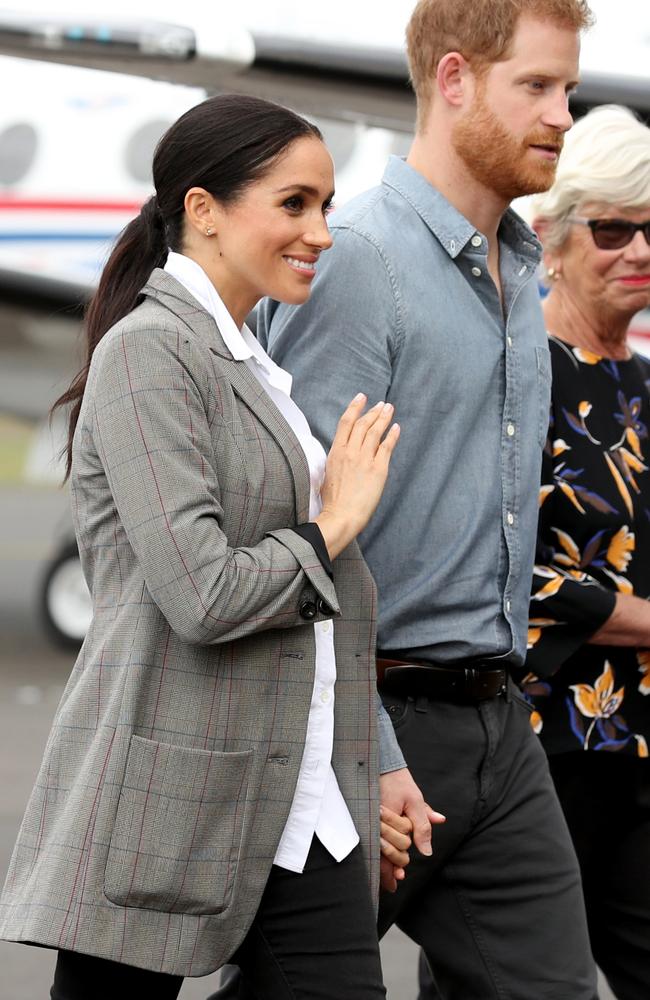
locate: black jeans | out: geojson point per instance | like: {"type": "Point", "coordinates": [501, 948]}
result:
{"type": "Point", "coordinates": [498, 909]}
{"type": "Point", "coordinates": [313, 937]}
{"type": "Point", "coordinates": [606, 801]}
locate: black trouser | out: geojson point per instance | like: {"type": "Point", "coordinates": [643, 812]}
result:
{"type": "Point", "coordinates": [313, 937]}
{"type": "Point", "coordinates": [498, 909]}
{"type": "Point", "coordinates": [606, 801]}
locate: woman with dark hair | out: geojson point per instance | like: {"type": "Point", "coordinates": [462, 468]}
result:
{"type": "Point", "coordinates": [203, 794]}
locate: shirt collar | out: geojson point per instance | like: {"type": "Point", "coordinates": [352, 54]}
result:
{"type": "Point", "coordinates": [452, 229]}
{"type": "Point", "coordinates": [241, 343]}
{"type": "Point", "coordinates": [192, 276]}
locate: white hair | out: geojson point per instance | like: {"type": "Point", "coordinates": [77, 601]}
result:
{"type": "Point", "coordinates": [606, 159]}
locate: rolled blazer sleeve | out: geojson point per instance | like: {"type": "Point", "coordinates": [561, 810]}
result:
{"type": "Point", "coordinates": [154, 436]}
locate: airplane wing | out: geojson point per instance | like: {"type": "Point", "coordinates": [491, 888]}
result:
{"type": "Point", "coordinates": [357, 90]}
{"type": "Point", "coordinates": [192, 49]}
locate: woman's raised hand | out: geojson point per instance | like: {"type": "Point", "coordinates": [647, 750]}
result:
{"type": "Point", "coordinates": [356, 471]}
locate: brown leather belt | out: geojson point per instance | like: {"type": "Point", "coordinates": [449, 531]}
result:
{"type": "Point", "coordinates": [469, 680]}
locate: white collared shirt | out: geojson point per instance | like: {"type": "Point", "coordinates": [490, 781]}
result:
{"type": "Point", "coordinates": [318, 806]}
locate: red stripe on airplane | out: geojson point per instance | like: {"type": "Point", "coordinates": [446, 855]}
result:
{"type": "Point", "coordinates": [39, 205]}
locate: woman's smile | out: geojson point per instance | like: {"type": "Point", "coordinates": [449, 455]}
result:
{"type": "Point", "coordinates": [305, 264]}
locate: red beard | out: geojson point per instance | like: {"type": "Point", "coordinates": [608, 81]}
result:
{"type": "Point", "coordinates": [498, 160]}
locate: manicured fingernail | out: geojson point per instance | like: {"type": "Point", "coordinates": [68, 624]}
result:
{"type": "Point", "coordinates": [378, 405]}
{"type": "Point", "coordinates": [427, 851]}
{"type": "Point", "coordinates": [388, 407]}
{"type": "Point", "coordinates": [359, 396]}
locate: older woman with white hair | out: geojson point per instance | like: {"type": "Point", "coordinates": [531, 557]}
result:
{"type": "Point", "coordinates": [589, 643]}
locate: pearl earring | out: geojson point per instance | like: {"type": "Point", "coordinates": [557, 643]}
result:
{"type": "Point", "coordinates": [208, 232]}
{"type": "Point", "coordinates": [553, 274]}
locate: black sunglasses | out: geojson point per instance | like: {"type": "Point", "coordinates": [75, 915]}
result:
{"type": "Point", "coordinates": [613, 234]}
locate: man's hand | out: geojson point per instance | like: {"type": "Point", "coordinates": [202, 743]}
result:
{"type": "Point", "coordinates": [399, 793]}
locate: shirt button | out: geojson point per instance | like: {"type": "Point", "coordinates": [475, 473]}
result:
{"type": "Point", "coordinates": [325, 626]}
{"type": "Point", "coordinates": [510, 518]}
{"type": "Point", "coordinates": [476, 241]}
{"type": "Point", "coordinates": [508, 606]}
{"type": "Point", "coordinates": [509, 341]}
{"type": "Point", "coordinates": [510, 429]}
{"type": "Point", "coordinates": [476, 271]}
{"type": "Point", "coordinates": [324, 696]}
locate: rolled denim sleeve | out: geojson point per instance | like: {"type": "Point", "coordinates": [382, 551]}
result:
{"type": "Point", "coordinates": [390, 755]}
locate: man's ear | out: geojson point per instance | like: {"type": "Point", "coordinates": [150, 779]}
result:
{"type": "Point", "coordinates": [452, 78]}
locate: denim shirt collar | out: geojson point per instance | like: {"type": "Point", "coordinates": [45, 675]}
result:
{"type": "Point", "coordinates": [451, 229]}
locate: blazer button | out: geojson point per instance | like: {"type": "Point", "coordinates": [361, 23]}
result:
{"type": "Point", "coordinates": [308, 610]}
{"type": "Point", "coordinates": [323, 607]}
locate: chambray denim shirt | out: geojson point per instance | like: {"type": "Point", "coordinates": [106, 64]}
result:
{"type": "Point", "coordinates": [403, 308]}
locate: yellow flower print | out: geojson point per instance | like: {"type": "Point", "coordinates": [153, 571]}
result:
{"type": "Point", "coordinates": [641, 746]}
{"type": "Point", "coordinates": [643, 658]}
{"type": "Point", "coordinates": [632, 439]}
{"type": "Point", "coordinates": [571, 555]}
{"type": "Point", "coordinates": [587, 357]}
{"type": "Point", "coordinates": [572, 558]}
{"type": "Point", "coordinates": [535, 626]}
{"type": "Point", "coordinates": [630, 464]}
{"type": "Point", "coordinates": [544, 492]}
{"type": "Point", "coordinates": [570, 493]}
{"type": "Point", "coordinates": [560, 446]}
{"type": "Point", "coordinates": [620, 549]}
{"type": "Point", "coordinates": [536, 722]}
{"type": "Point", "coordinates": [623, 585]}
{"type": "Point", "coordinates": [555, 581]}
{"type": "Point", "coordinates": [620, 484]}
{"type": "Point", "coordinates": [599, 701]}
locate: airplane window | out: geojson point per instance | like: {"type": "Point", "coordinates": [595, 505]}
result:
{"type": "Point", "coordinates": [140, 149]}
{"type": "Point", "coordinates": [17, 151]}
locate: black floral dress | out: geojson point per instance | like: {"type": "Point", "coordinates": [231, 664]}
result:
{"type": "Point", "coordinates": [594, 541]}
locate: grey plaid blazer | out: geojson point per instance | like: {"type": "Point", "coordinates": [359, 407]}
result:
{"type": "Point", "coordinates": [171, 765]}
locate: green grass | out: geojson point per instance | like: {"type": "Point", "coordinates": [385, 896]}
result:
{"type": "Point", "coordinates": [15, 439]}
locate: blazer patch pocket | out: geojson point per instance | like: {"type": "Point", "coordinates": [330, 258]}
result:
{"type": "Point", "coordinates": [178, 828]}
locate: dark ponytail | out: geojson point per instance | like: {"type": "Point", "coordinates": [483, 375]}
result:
{"type": "Point", "coordinates": [221, 145]}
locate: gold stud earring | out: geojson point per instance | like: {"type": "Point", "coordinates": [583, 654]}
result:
{"type": "Point", "coordinates": [208, 232]}
{"type": "Point", "coordinates": [552, 274]}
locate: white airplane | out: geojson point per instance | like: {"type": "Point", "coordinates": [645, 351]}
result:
{"type": "Point", "coordinates": [76, 144]}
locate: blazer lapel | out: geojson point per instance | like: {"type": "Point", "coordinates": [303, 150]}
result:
{"type": "Point", "coordinates": [174, 296]}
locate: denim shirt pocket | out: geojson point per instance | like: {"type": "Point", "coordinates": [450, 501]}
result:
{"type": "Point", "coordinates": [543, 392]}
